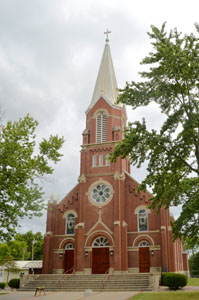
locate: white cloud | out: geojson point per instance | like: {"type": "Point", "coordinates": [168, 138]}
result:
{"type": "Point", "coordinates": [50, 53]}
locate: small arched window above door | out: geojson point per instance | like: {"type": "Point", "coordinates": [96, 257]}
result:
{"type": "Point", "coordinates": [69, 246]}
{"type": "Point", "coordinates": [144, 244]}
{"type": "Point", "coordinates": [100, 241]}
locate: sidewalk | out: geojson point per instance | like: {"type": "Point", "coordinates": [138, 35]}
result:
{"type": "Point", "coordinates": [68, 296]}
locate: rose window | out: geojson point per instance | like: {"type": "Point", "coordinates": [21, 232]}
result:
{"type": "Point", "coordinates": [100, 193]}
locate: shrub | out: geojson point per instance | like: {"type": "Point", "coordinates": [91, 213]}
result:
{"type": "Point", "coordinates": [14, 283]}
{"type": "Point", "coordinates": [174, 280]}
{"type": "Point", "coordinates": [2, 285]}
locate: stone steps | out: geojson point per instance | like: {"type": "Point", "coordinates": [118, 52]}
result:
{"type": "Point", "coordinates": [121, 282]}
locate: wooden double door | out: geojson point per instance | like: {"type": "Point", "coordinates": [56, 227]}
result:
{"type": "Point", "coordinates": [144, 260]}
{"type": "Point", "coordinates": [100, 260]}
{"type": "Point", "coordinates": [69, 261]}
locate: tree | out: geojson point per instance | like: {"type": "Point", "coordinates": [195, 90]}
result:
{"type": "Point", "coordinates": [172, 153]}
{"type": "Point", "coordinates": [20, 169]}
{"type": "Point", "coordinates": [28, 238]}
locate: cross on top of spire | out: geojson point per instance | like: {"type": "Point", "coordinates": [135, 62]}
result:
{"type": "Point", "coordinates": [107, 33]}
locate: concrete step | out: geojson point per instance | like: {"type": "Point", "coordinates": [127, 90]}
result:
{"type": "Point", "coordinates": [78, 282]}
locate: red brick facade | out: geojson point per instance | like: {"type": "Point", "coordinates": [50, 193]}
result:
{"type": "Point", "coordinates": [103, 223]}
{"type": "Point", "coordinates": [117, 219]}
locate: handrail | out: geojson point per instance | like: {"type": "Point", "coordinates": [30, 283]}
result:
{"type": "Point", "coordinates": [107, 276]}
{"type": "Point", "coordinates": [66, 273]}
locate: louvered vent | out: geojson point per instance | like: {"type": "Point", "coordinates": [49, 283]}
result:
{"type": "Point", "coordinates": [101, 133]}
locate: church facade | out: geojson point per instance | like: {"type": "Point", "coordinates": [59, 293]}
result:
{"type": "Point", "coordinates": [103, 224]}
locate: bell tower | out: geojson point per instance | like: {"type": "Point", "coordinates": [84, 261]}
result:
{"type": "Point", "coordinates": [101, 182]}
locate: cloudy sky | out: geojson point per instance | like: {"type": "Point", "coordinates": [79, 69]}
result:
{"type": "Point", "coordinates": [50, 51]}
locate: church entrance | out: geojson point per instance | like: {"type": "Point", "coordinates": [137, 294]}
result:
{"type": "Point", "coordinates": [100, 255]}
{"type": "Point", "coordinates": [69, 258]}
{"type": "Point", "coordinates": [144, 260]}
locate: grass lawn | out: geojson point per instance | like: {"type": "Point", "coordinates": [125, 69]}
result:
{"type": "Point", "coordinates": [167, 296]}
{"type": "Point", "coordinates": [193, 282]}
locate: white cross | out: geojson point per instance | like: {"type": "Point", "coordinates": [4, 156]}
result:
{"type": "Point", "coordinates": [100, 214]}
{"type": "Point", "coordinates": [107, 33]}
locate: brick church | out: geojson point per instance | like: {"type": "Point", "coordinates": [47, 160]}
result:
{"type": "Point", "coordinates": [103, 225]}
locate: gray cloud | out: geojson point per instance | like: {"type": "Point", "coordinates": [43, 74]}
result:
{"type": "Point", "coordinates": [50, 53]}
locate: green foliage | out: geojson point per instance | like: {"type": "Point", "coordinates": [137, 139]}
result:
{"type": "Point", "coordinates": [14, 283]}
{"type": "Point", "coordinates": [2, 285]}
{"type": "Point", "coordinates": [20, 192]}
{"type": "Point", "coordinates": [174, 280]}
{"type": "Point", "coordinates": [28, 238]}
{"type": "Point", "coordinates": [194, 264]}
{"type": "Point", "coordinates": [21, 247]}
{"type": "Point", "coordinates": [172, 153]}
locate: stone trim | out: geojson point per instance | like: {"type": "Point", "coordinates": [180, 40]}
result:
{"type": "Point", "coordinates": [118, 176]}
{"type": "Point", "coordinates": [79, 225]}
{"type": "Point", "coordinates": [82, 178]}
{"type": "Point", "coordinates": [139, 232]}
{"type": "Point", "coordinates": [66, 239]}
{"type": "Point", "coordinates": [94, 234]}
{"type": "Point", "coordinates": [100, 181]}
{"type": "Point", "coordinates": [136, 248]}
{"type": "Point", "coordinates": [144, 236]}
{"type": "Point", "coordinates": [100, 174]}
{"type": "Point", "coordinates": [57, 251]}
{"type": "Point", "coordinates": [116, 223]}
{"type": "Point", "coordinates": [138, 208]}
{"type": "Point", "coordinates": [70, 211]}
{"type": "Point", "coordinates": [48, 233]}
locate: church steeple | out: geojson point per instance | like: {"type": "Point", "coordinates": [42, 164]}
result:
{"type": "Point", "coordinates": [106, 84]}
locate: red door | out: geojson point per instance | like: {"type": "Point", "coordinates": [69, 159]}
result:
{"type": "Point", "coordinates": [69, 261]}
{"type": "Point", "coordinates": [100, 260]}
{"type": "Point", "coordinates": [144, 260]}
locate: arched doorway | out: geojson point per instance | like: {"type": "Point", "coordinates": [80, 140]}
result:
{"type": "Point", "coordinates": [144, 257]}
{"type": "Point", "coordinates": [69, 258]}
{"type": "Point", "coordinates": [100, 255]}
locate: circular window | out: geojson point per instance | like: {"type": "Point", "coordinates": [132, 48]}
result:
{"type": "Point", "coordinates": [100, 241]}
{"type": "Point", "coordinates": [100, 193]}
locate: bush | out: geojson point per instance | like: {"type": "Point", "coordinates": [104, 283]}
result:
{"type": "Point", "coordinates": [14, 283]}
{"type": "Point", "coordinates": [2, 285]}
{"type": "Point", "coordinates": [174, 280]}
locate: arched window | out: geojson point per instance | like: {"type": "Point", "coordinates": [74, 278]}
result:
{"type": "Point", "coordinates": [101, 132]}
{"type": "Point", "coordinates": [69, 246]}
{"type": "Point", "coordinates": [70, 224]}
{"type": "Point", "coordinates": [143, 244]}
{"type": "Point", "coordinates": [100, 241]}
{"type": "Point", "coordinates": [142, 220]}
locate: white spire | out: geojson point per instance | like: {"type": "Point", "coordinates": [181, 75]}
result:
{"type": "Point", "coordinates": [106, 84]}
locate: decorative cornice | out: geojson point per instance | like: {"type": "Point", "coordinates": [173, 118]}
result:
{"type": "Point", "coordinates": [110, 143]}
